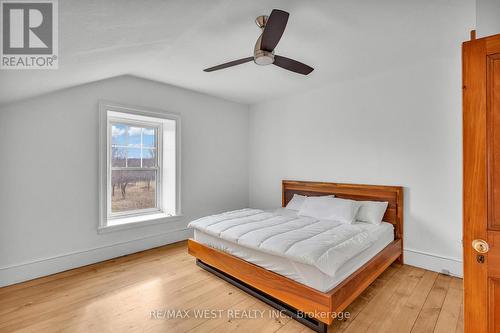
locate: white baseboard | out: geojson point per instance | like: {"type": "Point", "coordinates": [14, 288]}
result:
{"type": "Point", "coordinates": [46, 266]}
{"type": "Point", "coordinates": [434, 262]}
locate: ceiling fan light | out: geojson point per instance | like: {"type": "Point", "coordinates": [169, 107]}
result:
{"type": "Point", "coordinates": [264, 60]}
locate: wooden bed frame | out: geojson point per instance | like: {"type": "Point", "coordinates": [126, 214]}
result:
{"type": "Point", "coordinates": [298, 299]}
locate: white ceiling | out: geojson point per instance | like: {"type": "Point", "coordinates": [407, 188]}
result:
{"type": "Point", "coordinates": [172, 41]}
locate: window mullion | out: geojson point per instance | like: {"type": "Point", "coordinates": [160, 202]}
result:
{"type": "Point", "coordinates": [126, 144]}
{"type": "Point", "coordinates": [142, 131]}
{"type": "Point", "coordinates": [134, 169]}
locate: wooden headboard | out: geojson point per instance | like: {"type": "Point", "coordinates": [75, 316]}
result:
{"type": "Point", "coordinates": [392, 194]}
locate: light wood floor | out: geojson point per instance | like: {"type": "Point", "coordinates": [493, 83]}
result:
{"type": "Point", "coordinates": [118, 296]}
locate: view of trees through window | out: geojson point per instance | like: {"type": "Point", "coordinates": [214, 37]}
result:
{"type": "Point", "coordinates": [134, 167]}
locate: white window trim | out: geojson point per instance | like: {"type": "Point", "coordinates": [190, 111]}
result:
{"type": "Point", "coordinates": [143, 217]}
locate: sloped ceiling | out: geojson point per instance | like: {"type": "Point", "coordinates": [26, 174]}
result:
{"type": "Point", "coordinates": [172, 41]}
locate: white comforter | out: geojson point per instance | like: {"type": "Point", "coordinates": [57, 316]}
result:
{"type": "Point", "coordinates": [324, 244]}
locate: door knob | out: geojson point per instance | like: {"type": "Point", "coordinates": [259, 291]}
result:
{"type": "Point", "coordinates": [480, 246]}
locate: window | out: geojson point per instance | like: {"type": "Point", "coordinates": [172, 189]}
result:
{"type": "Point", "coordinates": [139, 166]}
{"type": "Point", "coordinates": [134, 167]}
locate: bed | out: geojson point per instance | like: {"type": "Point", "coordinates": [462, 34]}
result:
{"type": "Point", "coordinates": [255, 250]}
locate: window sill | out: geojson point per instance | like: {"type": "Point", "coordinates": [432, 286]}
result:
{"type": "Point", "coordinates": [137, 222]}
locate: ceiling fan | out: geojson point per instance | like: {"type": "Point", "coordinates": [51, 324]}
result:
{"type": "Point", "coordinates": [272, 27]}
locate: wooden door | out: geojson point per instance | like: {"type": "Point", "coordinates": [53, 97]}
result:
{"type": "Point", "coordinates": [481, 184]}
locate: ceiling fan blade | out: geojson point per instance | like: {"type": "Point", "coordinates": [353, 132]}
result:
{"type": "Point", "coordinates": [292, 65]}
{"type": "Point", "coordinates": [228, 64]}
{"type": "Point", "coordinates": [275, 26]}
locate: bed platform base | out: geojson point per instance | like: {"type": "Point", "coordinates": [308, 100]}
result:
{"type": "Point", "coordinates": [312, 323]}
{"type": "Point", "coordinates": [321, 306]}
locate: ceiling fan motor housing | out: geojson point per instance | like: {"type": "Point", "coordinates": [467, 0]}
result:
{"type": "Point", "coordinates": [262, 57]}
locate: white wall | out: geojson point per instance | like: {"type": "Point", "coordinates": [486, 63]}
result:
{"type": "Point", "coordinates": [49, 173]}
{"type": "Point", "coordinates": [487, 17]}
{"type": "Point", "coordinates": [399, 127]}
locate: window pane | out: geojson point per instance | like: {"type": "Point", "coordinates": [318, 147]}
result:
{"type": "Point", "coordinates": [148, 158]}
{"type": "Point", "coordinates": [133, 157]}
{"type": "Point", "coordinates": [132, 190]}
{"type": "Point", "coordinates": [118, 134]}
{"type": "Point", "coordinates": [134, 136]}
{"type": "Point", "coordinates": [148, 137]}
{"type": "Point", "coordinates": [118, 157]}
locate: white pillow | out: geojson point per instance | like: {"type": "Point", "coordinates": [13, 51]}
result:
{"type": "Point", "coordinates": [298, 200]}
{"type": "Point", "coordinates": [372, 211]}
{"type": "Point", "coordinates": [328, 208]}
